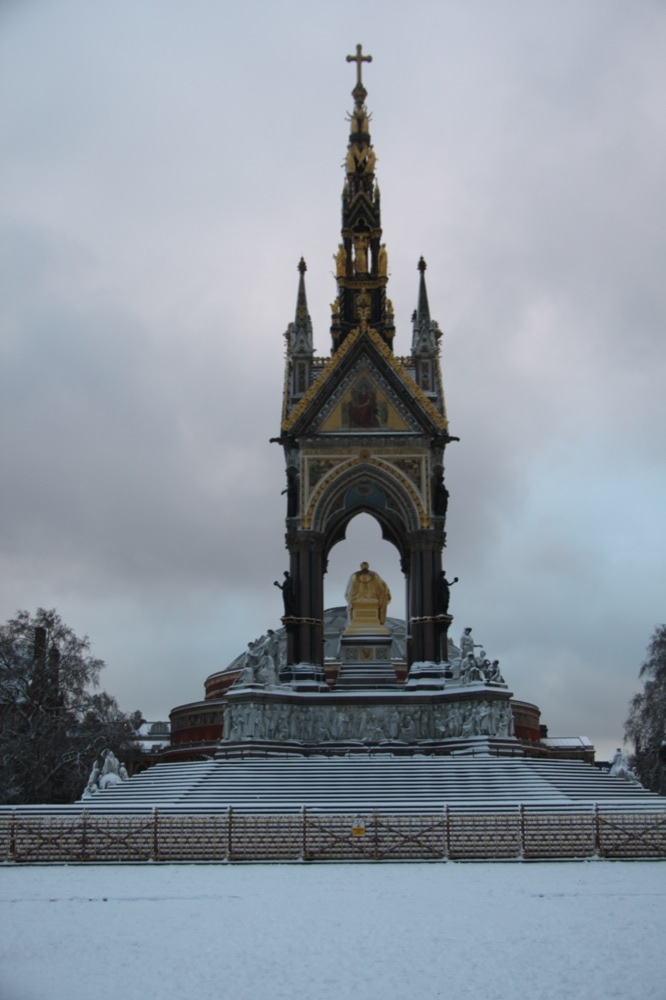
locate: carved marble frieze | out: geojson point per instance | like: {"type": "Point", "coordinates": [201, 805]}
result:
{"type": "Point", "coordinates": [409, 722]}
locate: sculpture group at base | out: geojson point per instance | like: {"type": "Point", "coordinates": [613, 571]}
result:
{"type": "Point", "coordinates": [110, 772]}
{"type": "Point", "coordinates": [470, 668]}
{"type": "Point", "coordinates": [262, 662]}
{"type": "Point", "coordinates": [619, 768]}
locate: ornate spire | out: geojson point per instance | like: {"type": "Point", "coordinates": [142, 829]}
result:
{"type": "Point", "coordinates": [299, 339]}
{"type": "Point", "coordinates": [425, 337]}
{"type": "Point", "coordinates": [301, 330]}
{"type": "Point", "coordinates": [422, 309]}
{"type": "Point", "coordinates": [361, 263]}
{"type": "Point", "coordinates": [426, 332]}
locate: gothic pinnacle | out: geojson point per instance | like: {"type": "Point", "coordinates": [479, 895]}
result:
{"type": "Point", "coordinates": [423, 309]}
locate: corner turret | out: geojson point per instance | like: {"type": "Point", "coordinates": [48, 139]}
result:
{"type": "Point", "coordinates": [300, 348]}
{"type": "Point", "coordinates": [425, 345]}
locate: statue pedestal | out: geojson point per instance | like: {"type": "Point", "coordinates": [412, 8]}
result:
{"type": "Point", "coordinates": [365, 661]}
{"type": "Point", "coordinates": [365, 619]}
{"type": "Point", "coordinates": [304, 677]}
{"type": "Point", "coordinates": [428, 676]}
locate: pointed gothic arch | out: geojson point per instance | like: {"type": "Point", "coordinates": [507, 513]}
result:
{"type": "Point", "coordinates": [370, 487]}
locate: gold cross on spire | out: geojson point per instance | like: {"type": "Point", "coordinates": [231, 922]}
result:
{"type": "Point", "coordinates": [359, 59]}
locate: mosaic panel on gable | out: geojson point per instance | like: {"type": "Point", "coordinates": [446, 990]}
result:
{"type": "Point", "coordinates": [364, 402]}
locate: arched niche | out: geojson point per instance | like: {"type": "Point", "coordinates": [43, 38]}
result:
{"type": "Point", "coordinates": [370, 488]}
{"type": "Point", "coordinates": [363, 539]}
{"type": "Point", "coordinates": [377, 487]}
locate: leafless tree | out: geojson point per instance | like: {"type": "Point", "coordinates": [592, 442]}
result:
{"type": "Point", "coordinates": [646, 724]}
{"type": "Point", "coordinates": [52, 722]}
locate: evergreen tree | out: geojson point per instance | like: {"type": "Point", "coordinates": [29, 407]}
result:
{"type": "Point", "coordinates": [52, 724]}
{"type": "Point", "coordinates": [646, 724]}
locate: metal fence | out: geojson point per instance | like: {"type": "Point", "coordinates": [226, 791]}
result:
{"type": "Point", "coordinates": [237, 837]}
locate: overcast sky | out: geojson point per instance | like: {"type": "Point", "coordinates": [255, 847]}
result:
{"type": "Point", "coordinates": [164, 165]}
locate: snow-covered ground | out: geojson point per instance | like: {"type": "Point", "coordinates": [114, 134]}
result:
{"type": "Point", "coordinates": [546, 931]}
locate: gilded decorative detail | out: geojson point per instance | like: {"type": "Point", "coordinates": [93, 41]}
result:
{"type": "Point", "coordinates": [439, 419]}
{"type": "Point", "coordinates": [412, 467]}
{"type": "Point", "coordinates": [407, 485]}
{"type": "Point", "coordinates": [322, 485]}
{"type": "Point", "coordinates": [359, 59]}
{"type": "Point", "coordinates": [363, 303]}
{"type": "Point", "coordinates": [361, 243]}
{"type": "Point", "coordinates": [338, 469]}
{"type": "Point", "coordinates": [365, 401]}
{"type": "Point", "coordinates": [318, 467]}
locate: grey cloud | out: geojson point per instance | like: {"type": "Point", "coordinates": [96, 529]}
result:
{"type": "Point", "coordinates": [161, 178]}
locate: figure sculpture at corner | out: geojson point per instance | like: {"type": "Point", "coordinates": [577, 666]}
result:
{"type": "Point", "coordinates": [292, 492]}
{"type": "Point", "coordinates": [619, 767]}
{"type": "Point", "coordinates": [382, 261]}
{"type": "Point", "coordinates": [467, 644]}
{"type": "Point", "coordinates": [366, 585]}
{"type": "Point", "coordinates": [440, 497]}
{"type": "Point", "coordinates": [443, 592]}
{"type": "Point", "coordinates": [288, 594]}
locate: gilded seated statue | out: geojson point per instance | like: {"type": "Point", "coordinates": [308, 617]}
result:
{"type": "Point", "coordinates": [367, 598]}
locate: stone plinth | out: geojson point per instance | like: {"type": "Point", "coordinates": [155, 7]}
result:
{"type": "Point", "coordinates": [365, 661]}
{"type": "Point", "coordinates": [427, 676]}
{"type": "Point", "coordinates": [304, 677]}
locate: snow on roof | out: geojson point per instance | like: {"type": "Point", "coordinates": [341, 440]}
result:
{"type": "Point", "coordinates": [568, 741]}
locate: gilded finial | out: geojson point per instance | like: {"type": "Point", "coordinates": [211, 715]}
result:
{"type": "Point", "coordinates": [359, 59]}
{"type": "Point", "coordinates": [359, 92]}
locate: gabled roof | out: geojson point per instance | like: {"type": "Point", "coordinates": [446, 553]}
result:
{"type": "Point", "coordinates": [364, 348]}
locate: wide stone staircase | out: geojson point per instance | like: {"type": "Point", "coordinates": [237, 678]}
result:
{"type": "Point", "coordinates": [363, 783]}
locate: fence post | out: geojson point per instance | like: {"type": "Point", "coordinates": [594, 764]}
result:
{"type": "Point", "coordinates": [597, 830]}
{"type": "Point", "coordinates": [13, 837]}
{"type": "Point", "coordinates": [304, 844]}
{"type": "Point", "coordinates": [155, 848]}
{"type": "Point", "coordinates": [522, 829]}
{"type": "Point", "coordinates": [447, 831]}
{"type": "Point", "coordinates": [230, 820]}
{"type": "Point", "coordinates": [375, 838]}
{"type": "Point", "coordinates": [84, 832]}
